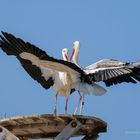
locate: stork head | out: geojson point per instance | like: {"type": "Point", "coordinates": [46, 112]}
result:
{"type": "Point", "coordinates": [75, 51]}
{"type": "Point", "coordinates": [65, 54]}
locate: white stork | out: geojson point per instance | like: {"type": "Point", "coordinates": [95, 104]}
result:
{"type": "Point", "coordinates": [107, 70]}
{"type": "Point", "coordinates": [74, 59]}
{"type": "Point", "coordinates": [63, 76]}
{"type": "Point", "coordinates": [45, 76]}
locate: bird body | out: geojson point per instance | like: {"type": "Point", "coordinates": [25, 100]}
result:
{"type": "Point", "coordinates": [63, 84]}
{"type": "Point", "coordinates": [61, 80]}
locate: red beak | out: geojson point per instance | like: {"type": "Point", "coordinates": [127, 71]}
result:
{"type": "Point", "coordinates": [73, 51]}
{"type": "Point", "coordinates": [67, 58]}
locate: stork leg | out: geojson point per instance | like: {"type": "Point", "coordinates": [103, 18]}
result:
{"type": "Point", "coordinates": [55, 106]}
{"type": "Point", "coordinates": [78, 103]}
{"type": "Point", "coordinates": [66, 107]}
{"type": "Point", "coordinates": [82, 104]}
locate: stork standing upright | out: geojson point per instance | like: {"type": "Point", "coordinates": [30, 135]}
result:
{"type": "Point", "coordinates": [41, 67]}
{"type": "Point", "coordinates": [74, 59]}
{"type": "Point", "coordinates": [61, 83]}
{"type": "Point", "coordinates": [45, 76]}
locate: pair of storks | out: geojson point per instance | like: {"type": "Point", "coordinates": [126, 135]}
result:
{"type": "Point", "coordinates": [64, 76]}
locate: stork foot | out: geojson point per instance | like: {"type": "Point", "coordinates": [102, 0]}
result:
{"type": "Point", "coordinates": [82, 105]}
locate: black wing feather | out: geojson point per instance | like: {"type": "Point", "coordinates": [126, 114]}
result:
{"type": "Point", "coordinates": [132, 77]}
{"type": "Point", "coordinates": [14, 46]}
{"type": "Point", "coordinates": [36, 74]}
{"type": "Point", "coordinates": [126, 73]}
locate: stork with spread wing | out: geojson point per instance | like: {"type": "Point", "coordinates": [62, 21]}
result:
{"type": "Point", "coordinates": [109, 71]}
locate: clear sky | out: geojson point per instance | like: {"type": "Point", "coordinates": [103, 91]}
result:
{"type": "Point", "coordinates": [105, 28]}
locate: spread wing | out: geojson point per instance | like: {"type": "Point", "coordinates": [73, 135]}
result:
{"type": "Point", "coordinates": [15, 46]}
{"type": "Point", "coordinates": [114, 72]}
{"type": "Point", "coordinates": [37, 63]}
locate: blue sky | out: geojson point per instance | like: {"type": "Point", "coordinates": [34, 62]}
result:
{"type": "Point", "coordinates": [105, 28]}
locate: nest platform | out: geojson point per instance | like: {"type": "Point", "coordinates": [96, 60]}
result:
{"type": "Point", "coordinates": [57, 127]}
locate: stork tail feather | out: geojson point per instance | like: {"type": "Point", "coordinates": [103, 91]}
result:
{"type": "Point", "coordinates": [88, 89]}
